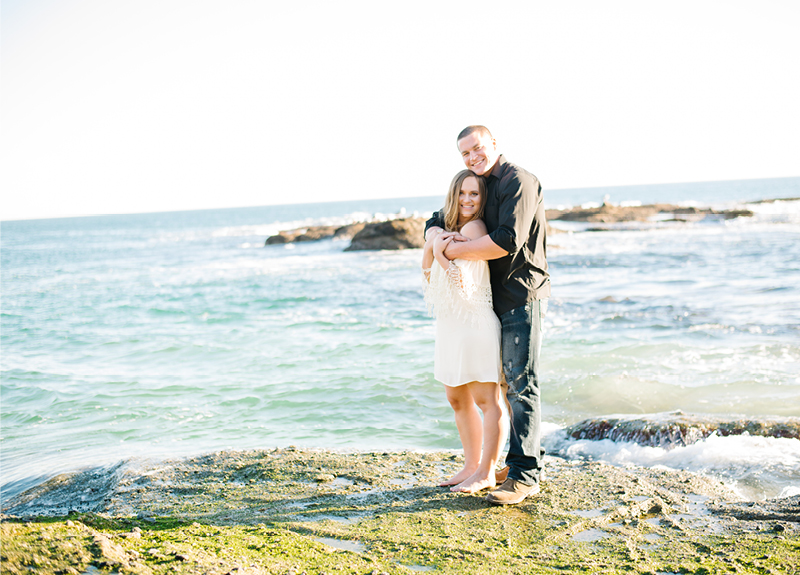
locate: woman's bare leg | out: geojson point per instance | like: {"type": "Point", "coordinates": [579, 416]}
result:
{"type": "Point", "coordinates": [487, 398]}
{"type": "Point", "coordinates": [470, 430]}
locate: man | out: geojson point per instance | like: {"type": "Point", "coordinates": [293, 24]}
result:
{"type": "Point", "coordinates": [515, 248]}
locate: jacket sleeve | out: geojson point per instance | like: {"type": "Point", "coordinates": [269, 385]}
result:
{"type": "Point", "coordinates": [437, 219]}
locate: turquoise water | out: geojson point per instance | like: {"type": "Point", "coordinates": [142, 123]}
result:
{"type": "Point", "coordinates": [167, 334]}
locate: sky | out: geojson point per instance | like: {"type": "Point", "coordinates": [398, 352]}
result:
{"type": "Point", "coordinates": [111, 106]}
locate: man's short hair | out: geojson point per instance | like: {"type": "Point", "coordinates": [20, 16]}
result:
{"type": "Point", "coordinates": [469, 130]}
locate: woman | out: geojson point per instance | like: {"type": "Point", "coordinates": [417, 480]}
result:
{"type": "Point", "coordinates": [467, 353]}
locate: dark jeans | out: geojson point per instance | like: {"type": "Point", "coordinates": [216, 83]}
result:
{"type": "Point", "coordinates": [521, 344]}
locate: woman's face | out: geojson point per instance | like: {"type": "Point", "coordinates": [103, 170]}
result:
{"type": "Point", "coordinates": [469, 199]}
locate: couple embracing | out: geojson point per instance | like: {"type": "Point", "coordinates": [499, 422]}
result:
{"type": "Point", "coordinates": [486, 277]}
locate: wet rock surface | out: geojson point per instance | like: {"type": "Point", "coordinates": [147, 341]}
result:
{"type": "Point", "coordinates": [289, 510]}
{"type": "Point", "coordinates": [68, 493]}
{"type": "Point", "coordinates": [670, 430]}
{"type": "Point", "coordinates": [786, 509]}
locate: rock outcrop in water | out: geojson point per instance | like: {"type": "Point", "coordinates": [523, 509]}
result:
{"type": "Point", "coordinates": [679, 429]}
{"type": "Point", "coordinates": [393, 234]}
{"type": "Point", "coordinates": [390, 235]}
{"type": "Point", "coordinates": [611, 214]}
{"type": "Point", "coordinates": [314, 233]}
{"type": "Point", "coordinates": [399, 236]}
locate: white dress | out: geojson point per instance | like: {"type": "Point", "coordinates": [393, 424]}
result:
{"type": "Point", "coordinates": [467, 329]}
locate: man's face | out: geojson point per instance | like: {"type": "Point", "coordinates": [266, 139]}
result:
{"type": "Point", "coordinates": [479, 152]}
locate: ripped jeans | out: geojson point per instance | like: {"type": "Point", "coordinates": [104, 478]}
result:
{"type": "Point", "coordinates": [521, 345]}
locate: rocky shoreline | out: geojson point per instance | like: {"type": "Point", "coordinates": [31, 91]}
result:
{"type": "Point", "coordinates": [403, 233]}
{"type": "Point", "coordinates": [292, 511]}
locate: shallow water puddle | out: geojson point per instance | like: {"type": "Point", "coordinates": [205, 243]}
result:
{"type": "Point", "coordinates": [698, 514]}
{"type": "Point", "coordinates": [694, 498]}
{"type": "Point", "coordinates": [341, 482]}
{"type": "Point", "coordinates": [654, 521]}
{"type": "Point", "coordinates": [415, 567]}
{"type": "Point", "coordinates": [404, 482]}
{"type": "Point", "coordinates": [587, 513]}
{"type": "Point", "coordinates": [364, 494]}
{"type": "Point", "coordinates": [653, 537]}
{"type": "Point", "coordinates": [342, 544]}
{"type": "Point", "coordinates": [590, 535]}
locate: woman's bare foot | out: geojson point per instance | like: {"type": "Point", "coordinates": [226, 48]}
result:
{"type": "Point", "coordinates": [458, 478]}
{"type": "Point", "coordinates": [475, 483]}
{"type": "Point", "coordinates": [501, 475]}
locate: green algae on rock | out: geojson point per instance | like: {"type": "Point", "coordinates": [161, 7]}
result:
{"type": "Point", "coordinates": [292, 511]}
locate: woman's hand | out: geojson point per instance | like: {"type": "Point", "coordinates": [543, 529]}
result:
{"type": "Point", "coordinates": [433, 233]}
{"type": "Point", "coordinates": [439, 245]}
{"type": "Point", "coordinates": [457, 237]}
{"type": "Point", "coordinates": [441, 241]}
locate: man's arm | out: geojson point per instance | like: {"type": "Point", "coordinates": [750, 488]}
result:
{"type": "Point", "coordinates": [481, 249]}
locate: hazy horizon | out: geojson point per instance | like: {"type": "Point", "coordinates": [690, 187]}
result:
{"type": "Point", "coordinates": [150, 107]}
{"type": "Point", "coordinates": [548, 196]}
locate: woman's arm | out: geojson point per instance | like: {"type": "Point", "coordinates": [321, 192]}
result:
{"type": "Point", "coordinates": [427, 251]}
{"type": "Point", "coordinates": [440, 243]}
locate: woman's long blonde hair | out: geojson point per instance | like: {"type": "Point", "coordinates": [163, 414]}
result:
{"type": "Point", "coordinates": [451, 201]}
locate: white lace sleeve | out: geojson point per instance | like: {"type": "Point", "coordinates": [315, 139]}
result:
{"type": "Point", "coordinates": [458, 291]}
{"type": "Point", "coordinates": [462, 281]}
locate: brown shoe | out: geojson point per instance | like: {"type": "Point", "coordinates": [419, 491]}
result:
{"type": "Point", "coordinates": [501, 475]}
{"type": "Point", "coordinates": [511, 492]}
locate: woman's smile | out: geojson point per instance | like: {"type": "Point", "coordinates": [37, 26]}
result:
{"type": "Point", "coordinates": [469, 199]}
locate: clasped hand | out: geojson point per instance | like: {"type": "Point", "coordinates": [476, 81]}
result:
{"type": "Point", "coordinates": [439, 239]}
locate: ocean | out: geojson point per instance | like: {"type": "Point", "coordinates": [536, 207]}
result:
{"type": "Point", "coordinates": [131, 337]}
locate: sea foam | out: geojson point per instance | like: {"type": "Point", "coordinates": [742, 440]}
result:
{"type": "Point", "coordinates": [754, 467]}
